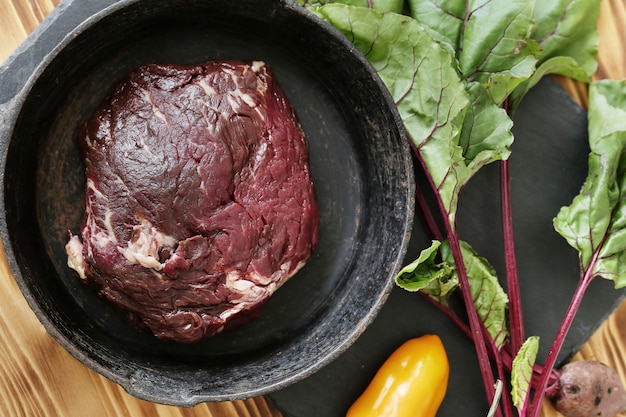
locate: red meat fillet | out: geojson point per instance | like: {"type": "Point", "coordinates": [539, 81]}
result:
{"type": "Point", "coordinates": [199, 198]}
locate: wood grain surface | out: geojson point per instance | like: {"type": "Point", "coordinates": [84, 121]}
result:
{"type": "Point", "coordinates": [38, 378]}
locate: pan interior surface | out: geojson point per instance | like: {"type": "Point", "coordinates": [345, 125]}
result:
{"type": "Point", "coordinates": [359, 162]}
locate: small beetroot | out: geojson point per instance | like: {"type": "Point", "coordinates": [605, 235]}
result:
{"type": "Point", "coordinates": [588, 389]}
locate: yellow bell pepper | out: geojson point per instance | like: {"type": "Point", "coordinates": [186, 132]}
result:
{"type": "Point", "coordinates": [411, 383]}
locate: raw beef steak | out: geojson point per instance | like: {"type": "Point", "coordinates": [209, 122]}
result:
{"type": "Point", "coordinates": [199, 199]}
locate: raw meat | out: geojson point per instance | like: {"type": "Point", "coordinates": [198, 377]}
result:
{"type": "Point", "coordinates": [199, 198]}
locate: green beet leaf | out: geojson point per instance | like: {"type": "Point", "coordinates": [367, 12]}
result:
{"type": "Point", "coordinates": [496, 39]}
{"type": "Point", "coordinates": [486, 134]}
{"type": "Point", "coordinates": [395, 6]}
{"type": "Point", "coordinates": [425, 274]}
{"type": "Point", "coordinates": [595, 222]}
{"type": "Point", "coordinates": [443, 19]}
{"type": "Point", "coordinates": [455, 130]}
{"type": "Point", "coordinates": [490, 299]}
{"type": "Point", "coordinates": [434, 274]}
{"type": "Point", "coordinates": [522, 372]}
{"type": "Point", "coordinates": [490, 39]}
{"type": "Point", "coordinates": [568, 36]}
{"type": "Point", "coordinates": [422, 79]}
{"type": "Point", "coordinates": [568, 28]}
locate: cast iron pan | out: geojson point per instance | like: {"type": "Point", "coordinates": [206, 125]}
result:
{"type": "Point", "coordinates": [548, 165]}
{"type": "Point", "coordinates": [360, 164]}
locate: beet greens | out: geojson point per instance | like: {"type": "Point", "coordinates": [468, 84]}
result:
{"type": "Point", "coordinates": [457, 71]}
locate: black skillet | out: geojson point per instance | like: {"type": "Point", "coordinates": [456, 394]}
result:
{"type": "Point", "coordinates": [359, 160]}
{"type": "Point", "coordinates": [549, 164]}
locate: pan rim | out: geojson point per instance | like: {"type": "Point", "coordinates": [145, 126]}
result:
{"type": "Point", "coordinates": [70, 346]}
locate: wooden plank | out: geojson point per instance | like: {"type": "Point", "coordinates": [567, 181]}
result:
{"type": "Point", "coordinates": [39, 378]}
{"type": "Point", "coordinates": [18, 18]}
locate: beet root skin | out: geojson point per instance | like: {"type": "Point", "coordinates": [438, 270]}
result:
{"type": "Point", "coordinates": [588, 388]}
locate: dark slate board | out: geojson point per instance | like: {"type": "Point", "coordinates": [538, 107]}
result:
{"type": "Point", "coordinates": [548, 166]}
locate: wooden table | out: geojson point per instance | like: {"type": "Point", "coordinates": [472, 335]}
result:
{"type": "Point", "coordinates": [38, 378]}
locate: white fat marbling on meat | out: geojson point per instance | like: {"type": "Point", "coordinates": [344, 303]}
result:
{"type": "Point", "coordinates": [238, 93]}
{"type": "Point", "coordinates": [259, 156]}
{"type": "Point", "coordinates": [75, 258]}
{"type": "Point", "coordinates": [100, 227]}
{"type": "Point", "coordinates": [88, 141]}
{"type": "Point", "coordinates": [143, 248]}
{"type": "Point", "coordinates": [234, 104]}
{"type": "Point", "coordinates": [257, 66]}
{"type": "Point", "coordinates": [157, 112]}
{"type": "Point", "coordinates": [246, 98]}
{"type": "Point", "coordinates": [261, 87]}
{"type": "Point", "coordinates": [208, 90]}
{"type": "Point", "coordinates": [246, 291]}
